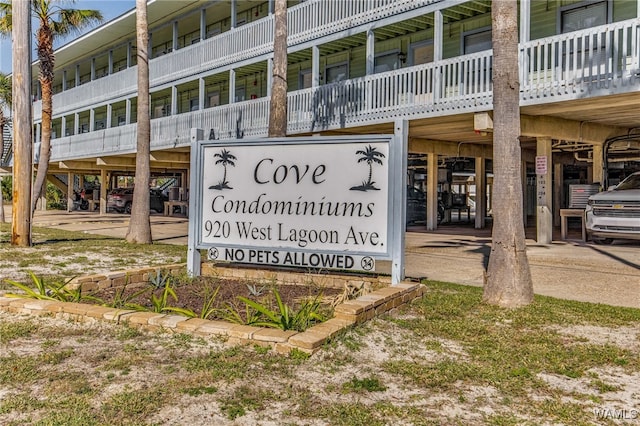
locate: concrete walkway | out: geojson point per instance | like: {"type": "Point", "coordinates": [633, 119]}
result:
{"type": "Point", "coordinates": [568, 269]}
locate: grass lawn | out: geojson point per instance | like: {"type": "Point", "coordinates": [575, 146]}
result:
{"type": "Point", "coordinates": [446, 359]}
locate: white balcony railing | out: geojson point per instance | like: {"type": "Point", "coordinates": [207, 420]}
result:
{"type": "Point", "coordinates": [307, 21]}
{"type": "Point", "coordinates": [552, 69]}
{"type": "Point", "coordinates": [601, 58]}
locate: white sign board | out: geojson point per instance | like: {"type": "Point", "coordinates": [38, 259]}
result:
{"type": "Point", "coordinates": [320, 202]}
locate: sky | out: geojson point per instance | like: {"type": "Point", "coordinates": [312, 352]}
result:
{"type": "Point", "coordinates": [109, 8]}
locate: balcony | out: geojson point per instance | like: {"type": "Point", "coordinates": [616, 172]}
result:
{"type": "Point", "coordinates": [552, 69]}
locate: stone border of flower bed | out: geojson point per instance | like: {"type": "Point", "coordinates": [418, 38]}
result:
{"type": "Point", "coordinates": [346, 314]}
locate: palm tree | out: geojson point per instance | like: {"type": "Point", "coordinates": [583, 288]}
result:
{"type": "Point", "coordinates": [370, 155]}
{"type": "Point", "coordinates": [508, 279]}
{"type": "Point", "coordinates": [5, 101]}
{"type": "Point", "coordinates": [226, 159]}
{"type": "Point", "coordinates": [54, 21]}
{"type": "Point", "coordinates": [140, 224]}
{"type": "Point", "coordinates": [278, 104]}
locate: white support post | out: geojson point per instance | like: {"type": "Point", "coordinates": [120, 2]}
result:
{"type": "Point", "coordinates": [232, 86]}
{"type": "Point", "coordinates": [525, 20]}
{"type": "Point", "coordinates": [234, 13]}
{"type": "Point", "coordinates": [174, 41]}
{"type": "Point", "coordinates": [371, 52]}
{"type": "Point", "coordinates": [481, 192]}
{"type": "Point", "coordinates": [174, 100]}
{"type": "Point", "coordinates": [203, 24]}
{"type": "Point", "coordinates": [104, 186]}
{"type": "Point", "coordinates": [109, 113]}
{"type": "Point", "coordinates": [269, 76]}
{"type": "Point", "coordinates": [432, 191]}
{"type": "Point", "coordinates": [129, 51]}
{"type": "Point", "coordinates": [315, 66]}
{"type": "Point", "coordinates": [193, 254]}
{"type": "Point", "coordinates": [201, 93]}
{"type": "Point", "coordinates": [110, 62]}
{"type": "Point", "coordinates": [127, 111]}
{"type": "Point", "coordinates": [63, 126]}
{"type": "Point", "coordinates": [399, 200]}
{"type": "Point", "coordinates": [92, 119]}
{"type": "Point", "coordinates": [64, 80]}
{"type": "Point", "coordinates": [93, 69]}
{"type": "Point", "coordinates": [437, 35]}
{"type": "Point", "coordinates": [70, 178]}
{"type": "Point", "coordinates": [544, 191]}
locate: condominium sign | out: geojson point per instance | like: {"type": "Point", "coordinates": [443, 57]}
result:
{"type": "Point", "coordinates": [321, 203]}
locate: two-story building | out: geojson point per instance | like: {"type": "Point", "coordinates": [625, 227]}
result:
{"type": "Point", "coordinates": [356, 67]}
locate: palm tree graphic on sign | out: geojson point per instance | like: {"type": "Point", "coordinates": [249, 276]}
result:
{"type": "Point", "coordinates": [370, 155]}
{"type": "Point", "coordinates": [225, 158]}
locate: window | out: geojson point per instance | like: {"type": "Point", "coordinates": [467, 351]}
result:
{"type": "Point", "coordinates": [476, 41]}
{"type": "Point", "coordinates": [193, 104]}
{"type": "Point", "coordinates": [583, 17]}
{"type": "Point", "coordinates": [214, 99]}
{"type": "Point", "coordinates": [337, 72]}
{"type": "Point", "coordinates": [386, 62]}
{"type": "Point", "coordinates": [421, 52]}
{"type": "Point", "coordinates": [240, 94]}
{"type": "Point", "coordinates": [304, 79]}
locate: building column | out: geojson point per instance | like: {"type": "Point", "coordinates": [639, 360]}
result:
{"type": "Point", "coordinates": [174, 39]}
{"type": "Point", "coordinates": [558, 186]}
{"type": "Point", "coordinates": [92, 117]}
{"type": "Point", "coordinates": [63, 126]}
{"type": "Point", "coordinates": [129, 55]}
{"type": "Point", "coordinates": [64, 80]}
{"type": "Point", "coordinates": [432, 191]}
{"type": "Point", "coordinates": [174, 100]}
{"type": "Point", "coordinates": [315, 66]}
{"type": "Point", "coordinates": [203, 24]}
{"type": "Point", "coordinates": [104, 186]}
{"type": "Point", "coordinates": [127, 111]}
{"type": "Point", "coordinates": [93, 69]}
{"type": "Point", "coordinates": [371, 52]}
{"type": "Point", "coordinates": [38, 135]}
{"type": "Point", "coordinates": [201, 93]}
{"type": "Point", "coordinates": [70, 178]}
{"type": "Point", "coordinates": [437, 35]}
{"type": "Point", "coordinates": [544, 191]}
{"type": "Point", "coordinates": [598, 163]}
{"type": "Point", "coordinates": [76, 124]}
{"type": "Point", "coordinates": [77, 75]}
{"type": "Point", "coordinates": [109, 114]}
{"type": "Point", "coordinates": [234, 13]}
{"type": "Point", "coordinates": [270, 76]}
{"type": "Point", "coordinates": [110, 69]}
{"type": "Point", "coordinates": [525, 20]}
{"type": "Point", "coordinates": [232, 86]}
{"type": "Point", "coordinates": [481, 192]}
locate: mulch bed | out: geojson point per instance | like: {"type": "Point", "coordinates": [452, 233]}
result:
{"type": "Point", "coordinates": [191, 295]}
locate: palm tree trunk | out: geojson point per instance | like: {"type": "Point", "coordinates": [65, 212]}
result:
{"type": "Point", "coordinates": [278, 105]}
{"type": "Point", "coordinates": [2, 124]}
{"type": "Point", "coordinates": [140, 224]}
{"type": "Point", "coordinates": [45, 143]}
{"type": "Point", "coordinates": [508, 279]}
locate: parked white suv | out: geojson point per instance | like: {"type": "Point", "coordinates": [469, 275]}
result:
{"type": "Point", "coordinates": [615, 213]}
